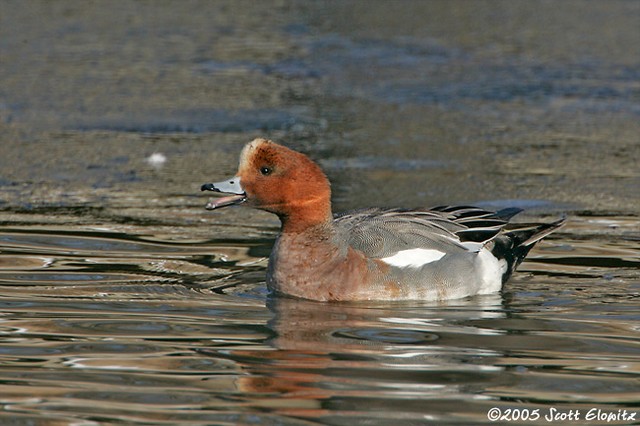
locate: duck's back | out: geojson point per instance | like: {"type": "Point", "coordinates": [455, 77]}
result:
{"type": "Point", "coordinates": [445, 252]}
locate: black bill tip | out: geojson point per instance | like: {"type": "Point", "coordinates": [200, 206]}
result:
{"type": "Point", "coordinates": [208, 187]}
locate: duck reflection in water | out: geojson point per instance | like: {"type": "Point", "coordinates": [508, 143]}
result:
{"type": "Point", "coordinates": [321, 355]}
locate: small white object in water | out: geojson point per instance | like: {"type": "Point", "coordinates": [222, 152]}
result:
{"type": "Point", "coordinates": [157, 159]}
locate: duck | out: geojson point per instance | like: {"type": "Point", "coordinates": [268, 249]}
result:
{"type": "Point", "coordinates": [371, 254]}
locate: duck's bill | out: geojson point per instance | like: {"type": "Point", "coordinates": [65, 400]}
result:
{"type": "Point", "coordinates": [231, 186]}
{"type": "Point", "coordinates": [225, 201]}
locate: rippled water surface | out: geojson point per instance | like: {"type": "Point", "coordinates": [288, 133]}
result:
{"type": "Point", "coordinates": [122, 301]}
{"type": "Point", "coordinates": [108, 326]}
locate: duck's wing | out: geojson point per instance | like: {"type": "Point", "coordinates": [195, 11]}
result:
{"type": "Point", "coordinates": [381, 233]}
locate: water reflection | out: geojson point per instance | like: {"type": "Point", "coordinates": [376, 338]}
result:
{"type": "Point", "coordinates": [160, 330]}
{"type": "Point", "coordinates": [362, 360]}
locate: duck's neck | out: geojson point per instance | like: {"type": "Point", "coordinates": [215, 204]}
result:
{"type": "Point", "coordinates": [312, 216]}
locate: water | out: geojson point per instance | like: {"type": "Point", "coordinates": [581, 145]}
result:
{"type": "Point", "coordinates": [122, 301]}
{"type": "Point", "coordinates": [105, 326]}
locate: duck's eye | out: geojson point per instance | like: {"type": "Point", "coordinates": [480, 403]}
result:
{"type": "Point", "coordinates": [266, 171]}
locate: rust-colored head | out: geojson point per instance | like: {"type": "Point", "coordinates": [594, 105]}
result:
{"type": "Point", "coordinates": [279, 180]}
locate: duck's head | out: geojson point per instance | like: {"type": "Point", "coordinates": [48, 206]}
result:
{"type": "Point", "coordinates": [279, 180]}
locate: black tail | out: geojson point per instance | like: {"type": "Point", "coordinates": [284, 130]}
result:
{"type": "Point", "coordinates": [519, 238]}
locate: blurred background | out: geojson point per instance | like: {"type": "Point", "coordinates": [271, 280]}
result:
{"type": "Point", "coordinates": [412, 103]}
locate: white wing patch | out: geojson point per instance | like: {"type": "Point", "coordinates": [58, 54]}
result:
{"type": "Point", "coordinates": [413, 258]}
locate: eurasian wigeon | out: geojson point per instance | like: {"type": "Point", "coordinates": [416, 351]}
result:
{"type": "Point", "coordinates": [372, 254]}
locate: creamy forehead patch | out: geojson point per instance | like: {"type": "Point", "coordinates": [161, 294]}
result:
{"type": "Point", "coordinates": [248, 149]}
{"type": "Point", "coordinates": [413, 258]}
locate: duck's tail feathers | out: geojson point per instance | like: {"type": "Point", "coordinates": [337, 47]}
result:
{"type": "Point", "coordinates": [527, 234]}
{"type": "Point", "coordinates": [518, 239]}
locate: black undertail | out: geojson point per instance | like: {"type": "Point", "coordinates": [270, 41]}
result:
{"type": "Point", "coordinates": [514, 244]}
